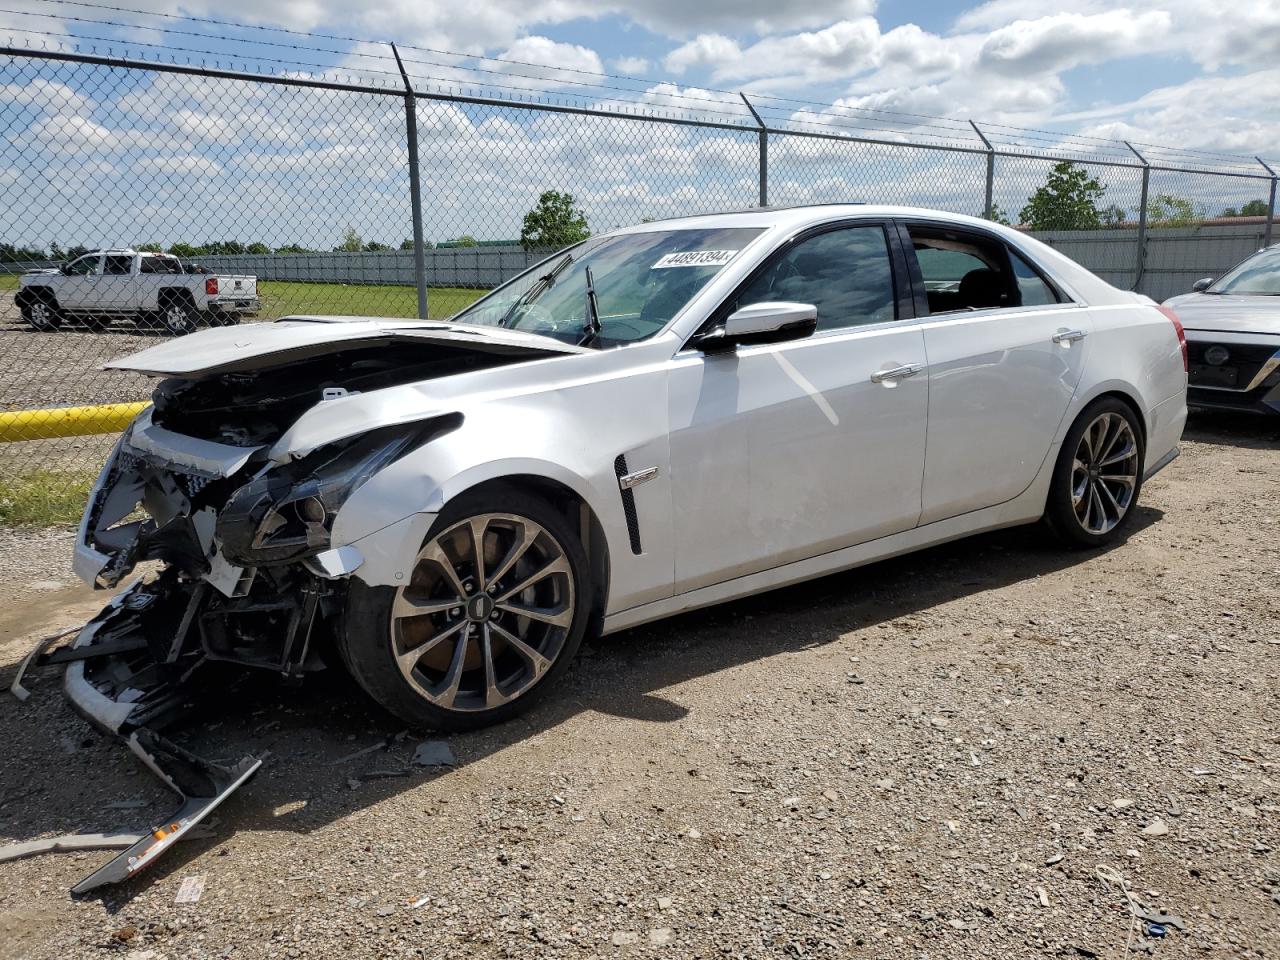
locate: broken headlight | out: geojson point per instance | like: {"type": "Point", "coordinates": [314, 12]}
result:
{"type": "Point", "coordinates": [287, 513]}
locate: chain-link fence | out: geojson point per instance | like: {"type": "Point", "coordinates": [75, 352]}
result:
{"type": "Point", "coordinates": [254, 197]}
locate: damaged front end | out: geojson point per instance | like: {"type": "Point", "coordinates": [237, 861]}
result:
{"type": "Point", "coordinates": [243, 569]}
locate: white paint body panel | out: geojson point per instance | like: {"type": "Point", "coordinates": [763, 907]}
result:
{"type": "Point", "coordinates": [783, 451]}
{"type": "Point", "coordinates": [775, 464]}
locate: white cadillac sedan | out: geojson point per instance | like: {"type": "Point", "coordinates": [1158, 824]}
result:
{"type": "Point", "coordinates": [660, 418]}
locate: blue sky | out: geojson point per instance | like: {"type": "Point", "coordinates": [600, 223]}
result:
{"type": "Point", "coordinates": [1159, 71]}
{"type": "Point", "coordinates": [80, 141]}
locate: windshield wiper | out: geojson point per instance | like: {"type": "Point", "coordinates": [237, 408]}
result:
{"type": "Point", "coordinates": [592, 331]}
{"type": "Point", "coordinates": [537, 289]}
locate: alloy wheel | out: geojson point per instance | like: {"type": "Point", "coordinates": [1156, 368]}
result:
{"type": "Point", "coordinates": [1104, 473]}
{"type": "Point", "coordinates": [487, 611]}
{"type": "Point", "coordinates": [42, 316]}
{"type": "Point", "coordinates": [176, 319]}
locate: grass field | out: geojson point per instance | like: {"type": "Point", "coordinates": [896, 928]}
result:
{"type": "Point", "coordinates": [44, 498]}
{"type": "Point", "coordinates": [282, 297]}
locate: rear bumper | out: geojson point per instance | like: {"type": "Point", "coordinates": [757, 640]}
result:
{"type": "Point", "coordinates": [243, 305]}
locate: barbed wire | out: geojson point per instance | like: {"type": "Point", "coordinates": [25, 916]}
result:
{"type": "Point", "coordinates": [857, 120]}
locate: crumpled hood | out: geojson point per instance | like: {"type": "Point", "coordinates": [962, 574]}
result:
{"type": "Point", "coordinates": [236, 349]}
{"type": "Point", "coordinates": [1227, 313]}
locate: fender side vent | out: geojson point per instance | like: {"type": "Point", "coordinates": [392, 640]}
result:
{"type": "Point", "coordinates": [628, 505]}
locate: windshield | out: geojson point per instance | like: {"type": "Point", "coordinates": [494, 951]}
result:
{"type": "Point", "coordinates": [1259, 276]}
{"type": "Point", "coordinates": [641, 280]}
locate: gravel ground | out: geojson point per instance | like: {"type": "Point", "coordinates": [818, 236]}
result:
{"type": "Point", "coordinates": [61, 369]}
{"type": "Point", "coordinates": [930, 757]}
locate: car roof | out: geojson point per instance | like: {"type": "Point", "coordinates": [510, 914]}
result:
{"type": "Point", "coordinates": [798, 217]}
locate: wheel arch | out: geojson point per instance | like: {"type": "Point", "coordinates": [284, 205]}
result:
{"type": "Point", "coordinates": [27, 295]}
{"type": "Point", "coordinates": [1124, 392]}
{"type": "Point", "coordinates": [168, 294]}
{"type": "Point", "coordinates": [384, 501]}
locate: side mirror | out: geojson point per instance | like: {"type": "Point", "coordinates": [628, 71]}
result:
{"type": "Point", "coordinates": [769, 322]}
{"type": "Point", "coordinates": [1201, 285]}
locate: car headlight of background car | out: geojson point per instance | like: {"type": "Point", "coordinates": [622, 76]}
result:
{"type": "Point", "coordinates": [287, 513]}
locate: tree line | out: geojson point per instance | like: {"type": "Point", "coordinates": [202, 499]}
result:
{"type": "Point", "coordinates": [1069, 199]}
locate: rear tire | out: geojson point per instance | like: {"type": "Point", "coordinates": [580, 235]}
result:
{"type": "Point", "coordinates": [40, 311]}
{"type": "Point", "coordinates": [1098, 475]}
{"type": "Point", "coordinates": [178, 316]}
{"type": "Point", "coordinates": [456, 647]}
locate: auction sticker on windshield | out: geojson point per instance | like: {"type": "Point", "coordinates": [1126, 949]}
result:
{"type": "Point", "coordinates": [695, 258]}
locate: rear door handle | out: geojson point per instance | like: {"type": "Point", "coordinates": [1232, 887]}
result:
{"type": "Point", "coordinates": [1069, 336]}
{"type": "Point", "coordinates": [897, 373]}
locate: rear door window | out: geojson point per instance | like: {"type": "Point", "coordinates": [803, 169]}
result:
{"type": "Point", "coordinates": [1033, 289]}
{"type": "Point", "coordinates": [159, 265]}
{"type": "Point", "coordinates": [963, 271]}
{"type": "Point", "coordinates": [117, 266]}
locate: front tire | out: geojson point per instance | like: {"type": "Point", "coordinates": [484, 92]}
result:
{"type": "Point", "coordinates": [464, 644]}
{"type": "Point", "coordinates": [1098, 475]}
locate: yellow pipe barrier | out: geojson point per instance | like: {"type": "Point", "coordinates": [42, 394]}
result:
{"type": "Point", "coordinates": [18, 425]}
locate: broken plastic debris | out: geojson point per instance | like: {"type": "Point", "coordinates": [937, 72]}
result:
{"type": "Point", "coordinates": [41, 645]}
{"type": "Point", "coordinates": [190, 889]}
{"type": "Point", "coordinates": [434, 753]}
{"type": "Point", "coordinates": [79, 842]}
{"type": "Point", "coordinates": [1163, 919]}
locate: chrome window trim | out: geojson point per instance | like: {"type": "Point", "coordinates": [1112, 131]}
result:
{"type": "Point", "coordinates": [952, 315]}
{"type": "Point", "coordinates": [853, 332]}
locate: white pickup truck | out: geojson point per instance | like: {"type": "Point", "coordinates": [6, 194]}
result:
{"type": "Point", "coordinates": [152, 289]}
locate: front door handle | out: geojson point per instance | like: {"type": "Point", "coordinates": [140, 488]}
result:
{"type": "Point", "coordinates": [1069, 336]}
{"type": "Point", "coordinates": [897, 373]}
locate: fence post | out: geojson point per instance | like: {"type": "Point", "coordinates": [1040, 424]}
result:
{"type": "Point", "coordinates": [1271, 203]}
{"type": "Point", "coordinates": [1140, 260]}
{"type": "Point", "coordinates": [415, 188]}
{"type": "Point", "coordinates": [764, 152]}
{"type": "Point", "coordinates": [988, 205]}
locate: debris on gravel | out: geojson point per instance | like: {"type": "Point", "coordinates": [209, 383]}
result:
{"type": "Point", "coordinates": [1051, 754]}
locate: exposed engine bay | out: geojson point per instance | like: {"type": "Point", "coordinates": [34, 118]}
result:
{"type": "Point", "coordinates": [243, 570]}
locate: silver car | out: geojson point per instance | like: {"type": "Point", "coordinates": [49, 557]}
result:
{"type": "Point", "coordinates": [660, 418]}
{"type": "Point", "coordinates": [1233, 336]}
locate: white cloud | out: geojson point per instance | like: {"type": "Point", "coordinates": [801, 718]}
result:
{"type": "Point", "coordinates": [631, 65]}
{"type": "Point", "coordinates": [188, 166]}
{"type": "Point", "coordinates": [479, 27]}
{"type": "Point", "coordinates": [841, 49]}
{"type": "Point", "coordinates": [1066, 40]}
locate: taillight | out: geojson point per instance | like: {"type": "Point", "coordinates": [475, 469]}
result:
{"type": "Point", "coordinates": [211, 288]}
{"type": "Point", "coordinates": [1182, 335]}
